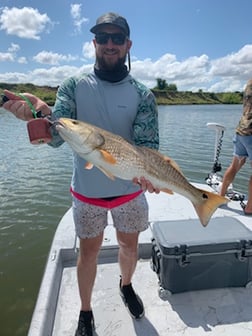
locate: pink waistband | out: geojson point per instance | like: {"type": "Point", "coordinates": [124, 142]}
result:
{"type": "Point", "coordinates": [109, 204]}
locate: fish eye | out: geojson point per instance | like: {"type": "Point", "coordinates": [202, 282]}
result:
{"type": "Point", "coordinates": [75, 122]}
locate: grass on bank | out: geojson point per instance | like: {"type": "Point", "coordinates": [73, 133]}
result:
{"type": "Point", "coordinates": [163, 97]}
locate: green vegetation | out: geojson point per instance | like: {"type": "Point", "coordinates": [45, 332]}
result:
{"type": "Point", "coordinates": [166, 94]}
{"type": "Point", "coordinates": [45, 93]}
{"type": "Point", "coordinates": [165, 97]}
{"type": "Point", "coordinates": [162, 85]}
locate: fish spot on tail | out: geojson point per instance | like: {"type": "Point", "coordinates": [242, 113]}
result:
{"type": "Point", "coordinates": [210, 203]}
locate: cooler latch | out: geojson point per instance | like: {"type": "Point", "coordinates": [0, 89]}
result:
{"type": "Point", "coordinates": [245, 251]}
{"type": "Point", "coordinates": [155, 257]}
{"type": "Point", "coordinates": [183, 260]}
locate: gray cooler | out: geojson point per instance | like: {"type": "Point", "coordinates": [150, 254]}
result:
{"type": "Point", "coordinates": [187, 256]}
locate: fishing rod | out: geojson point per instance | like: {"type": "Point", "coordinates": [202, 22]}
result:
{"type": "Point", "coordinates": [213, 179]}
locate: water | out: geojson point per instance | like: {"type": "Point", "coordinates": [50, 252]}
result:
{"type": "Point", "coordinates": [34, 191]}
{"type": "Point", "coordinates": [185, 138]}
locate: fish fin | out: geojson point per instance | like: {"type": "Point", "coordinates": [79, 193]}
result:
{"type": "Point", "coordinates": [210, 202]}
{"type": "Point", "coordinates": [89, 165]}
{"type": "Point", "coordinates": [173, 164]}
{"type": "Point", "coordinates": [164, 157]}
{"type": "Point", "coordinates": [107, 156]}
{"type": "Point", "coordinates": [168, 191]}
{"type": "Point", "coordinates": [108, 174]}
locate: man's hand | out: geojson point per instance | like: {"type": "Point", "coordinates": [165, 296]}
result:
{"type": "Point", "coordinates": [145, 185]}
{"type": "Point", "coordinates": [21, 109]}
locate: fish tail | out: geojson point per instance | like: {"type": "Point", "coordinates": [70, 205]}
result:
{"type": "Point", "coordinates": [210, 203]}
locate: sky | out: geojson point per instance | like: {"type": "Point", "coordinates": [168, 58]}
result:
{"type": "Point", "coordinates": [195, 44]}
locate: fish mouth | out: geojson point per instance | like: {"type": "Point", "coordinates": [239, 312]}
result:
{"type": "Point", "coordinates": [51, 122]}
{"type": "Point", "coordinates": [60, 127]}
{"type": "Point", "coordinates": [57, 124]}
{"type": "Point", "coordinates": [65, 123]}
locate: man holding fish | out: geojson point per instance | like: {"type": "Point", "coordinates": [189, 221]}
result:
{"type": "Point", "coordinates": [110, 120]}
{"type": "Point", "coordinates": [108, 97]}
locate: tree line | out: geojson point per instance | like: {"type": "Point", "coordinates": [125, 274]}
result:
{"type": "Point", "coordinates": [165, 93]}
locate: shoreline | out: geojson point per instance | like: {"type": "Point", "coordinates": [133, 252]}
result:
{"type": "Point", "coordinates": [163, 97]}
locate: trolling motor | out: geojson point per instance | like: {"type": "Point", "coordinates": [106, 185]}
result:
{"type": "Point", "coordinates": [218, 144]}
{"type": "Point", "coordinates": [39, 127]}
{"type": "Point", "coordinates": [213, 179]}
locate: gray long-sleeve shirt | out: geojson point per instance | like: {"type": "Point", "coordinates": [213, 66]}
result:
{"type": "Point", "coordinates": [126, 108]}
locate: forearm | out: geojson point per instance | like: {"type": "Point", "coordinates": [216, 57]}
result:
{"type": "Point", "coordinates": [146, 130]}
{"type": "Point", "coordinates": [25, 106]}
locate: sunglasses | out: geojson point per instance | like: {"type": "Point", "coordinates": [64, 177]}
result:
{"type": "Point", "coordinates": [117, 38]}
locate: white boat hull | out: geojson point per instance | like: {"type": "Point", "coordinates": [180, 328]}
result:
{"type": "Point", "coordinates": [212, 312]}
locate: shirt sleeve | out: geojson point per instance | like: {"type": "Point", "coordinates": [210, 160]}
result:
{"type": "Point", "coordinates": [65, 106]}
{"type": "Point", "coordinates": [145, 127]}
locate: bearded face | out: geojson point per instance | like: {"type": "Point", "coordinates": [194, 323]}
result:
{"type": "Point", "coordinates": [111, 56]}
{"type": "Point", "coordinates": [110, 64]}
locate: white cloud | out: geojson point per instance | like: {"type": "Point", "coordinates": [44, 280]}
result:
{"type": "Point", "coordinates": [228, 73]}
{"type": "Point", "coordinates": [22, 60]}
{"type": "Point", "coordinates": [235, 64]}
{"type": "Point", "coordinates": [6, 57]}
{"type": "Point", "coordinates": [198, 72]}
{"type": "Point", "coordinates": [88, 50]}
{"type": "Point", "coordinates": [234, 85]}
{"type": "Point", "coordinates": [172, 70]}
{"type": "Point", "coordinates": [10, 55]}
{"type": "Point", "coordinates": [48, 57]}
{"type": "Point", "coordinates": [24, 22]}
{"type": "Point", "coordinates": [244, 55]}
{"type": "Point", "coordinates": [41, 76]}
{"type": "Point", "coordinates": [13, 77]}
{"type": "Point", "coordinates": [78, 20]}
{"type": "Point", "coordinates": [14, 48]}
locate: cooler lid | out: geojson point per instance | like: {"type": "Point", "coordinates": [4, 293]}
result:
{"type": "Point", "coordinates": [222, 233]}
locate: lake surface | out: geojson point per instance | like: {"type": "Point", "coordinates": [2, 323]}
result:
{"type": "Point", "coordinates": [34, 191]}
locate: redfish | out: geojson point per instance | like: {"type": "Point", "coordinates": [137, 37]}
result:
{"type": "Point", "coordinates": [116, 157]}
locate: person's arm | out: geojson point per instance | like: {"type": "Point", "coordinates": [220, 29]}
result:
{"type": "Point", "coordinates": [65, 106]}
{"type": "Point", "coordinates": [145, 127]}
{"type": "Point", "coordinates": [21, 109]}
{"type": "Point", "coordinates": [146, 131]}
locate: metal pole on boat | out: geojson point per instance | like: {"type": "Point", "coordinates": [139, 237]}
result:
{"type": "Point", "coordinates": [219, 129]}
{"type": "Point", "coordinates": [214, 180]}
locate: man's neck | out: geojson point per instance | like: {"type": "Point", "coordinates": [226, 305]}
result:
{"type": "Point", "coordinates": [112, 76]}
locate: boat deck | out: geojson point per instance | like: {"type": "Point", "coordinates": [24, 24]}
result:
{"type": "Point", "coordinates": [214, 312]}
{"type": "Point", "coordinates": [226, 311]}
